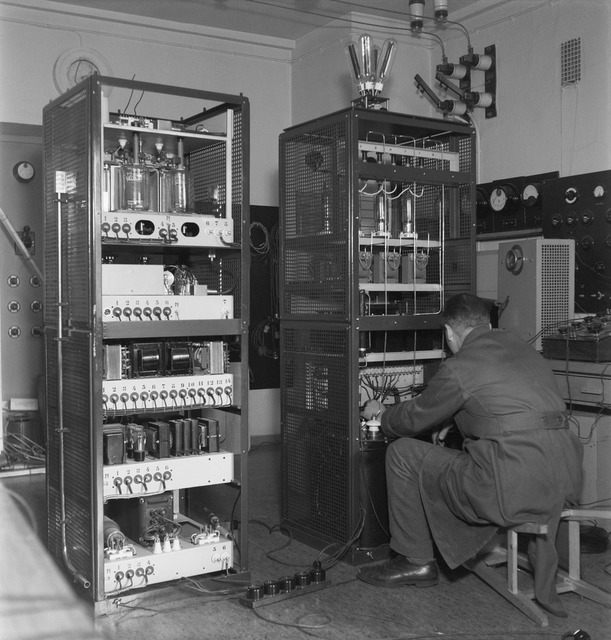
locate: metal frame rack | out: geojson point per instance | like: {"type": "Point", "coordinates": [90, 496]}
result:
{"type": "Point", "coordinates": [146, 334]}
{"type": "Point", "coordinates": [378, 229]}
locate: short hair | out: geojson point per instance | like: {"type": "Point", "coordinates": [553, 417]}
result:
{"type": "Point", "coordinates": [465, 311]}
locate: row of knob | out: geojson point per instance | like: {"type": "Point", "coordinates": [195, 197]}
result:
{"type": "Point", "coordinates": [219, 396]}
{"type": "Point", "coordinates": [189, 230]}
{"type": "Point", "coordinates": [148, 313]}
{"type": "Point", "coordinates": [144, 480]}
{"type": "Point", "coordinates": [572, 219]}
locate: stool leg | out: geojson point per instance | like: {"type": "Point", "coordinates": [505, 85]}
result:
{"type": "Point", "coordinates": [572, 581]}
{"type": "Point", "coordinates": [512, 561]}
{"type": "Point", "coordinates": [574, 550]}
{"type": "Point", "coordinates": [508, 588]}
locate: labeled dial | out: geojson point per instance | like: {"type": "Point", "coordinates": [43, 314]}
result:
{"type": "Point", "coordinates": [502, 198]}
{"type": "Point", "coordinates": [531, 194]}
{"type": "Point", "coordinates": [599, 192]}
{"type": "Point", "coordinates": [571, 195]}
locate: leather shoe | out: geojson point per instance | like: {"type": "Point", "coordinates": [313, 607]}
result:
{"type": "Point", "coordinates": [399, 572]}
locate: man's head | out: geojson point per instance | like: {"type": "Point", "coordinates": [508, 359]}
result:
{"type": "Point", "coordinates": [461, 314]}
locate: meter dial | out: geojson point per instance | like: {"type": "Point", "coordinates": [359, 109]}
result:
{"type": "Point", "coordinates": [502, 198]}
{"type": "Point", "coordinates": [531, 194]}
{"type": "Point", "coordinates": [599, 192]}
{"type": "Point", "coordinates": [24, 171]}
{"type": "Point", "coordinates": [571, 195]}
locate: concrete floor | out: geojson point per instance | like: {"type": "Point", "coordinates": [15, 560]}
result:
{"type": "Point", "coordinates": [461, 606]}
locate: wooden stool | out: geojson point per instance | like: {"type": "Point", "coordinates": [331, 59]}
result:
{"type": "Point", "coordinates": [571, 580]}
{"type": "Point", "coordinates": [483, 566]}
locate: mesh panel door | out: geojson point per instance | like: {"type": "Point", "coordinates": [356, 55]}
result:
{"type": "Point", "coordinates": [315, 220]}
{"type": "Point", "coordinates": [316, 430]}
{"type": "Point", "coordinates": [69, 360]}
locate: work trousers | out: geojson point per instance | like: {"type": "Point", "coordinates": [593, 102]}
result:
{"type": "Point", "coordinates": [410, 535]}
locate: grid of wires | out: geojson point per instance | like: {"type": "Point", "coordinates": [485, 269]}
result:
{"type": "Point", "coordinates": [379, 386]}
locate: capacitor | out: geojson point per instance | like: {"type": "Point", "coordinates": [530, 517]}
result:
{"type": "Point", "coordinates": [302, 579]}
{"type": "Point", "coordinates": [317, 573]}
{"type": "Point", "coordinates": [286, 583]}
{"type": "Point", "coordinates": [254, 592]}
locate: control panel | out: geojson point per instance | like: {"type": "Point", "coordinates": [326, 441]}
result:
{"type": "Point", "coordinates": [167, 394]}
{"type": "Point", "coordinates": [143, 308]}
{"type": "Point", "coordinates": [511, 206]}
{"type": "Point", "coordinates": [154, 476]}
{"type": "Point", "coordinates": [579, 207]}
{"type": "Point", "coordinates": [167, 548]}
{"type": "Point", "coordinates": [189, 230]}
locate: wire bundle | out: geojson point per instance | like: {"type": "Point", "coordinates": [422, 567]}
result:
{"type": "Point", "coordinates": [19, 449]}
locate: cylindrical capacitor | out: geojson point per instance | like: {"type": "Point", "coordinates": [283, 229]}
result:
{"type": "Point", "coordinates": [302, 579]}
{"type": "Point", "coordinates": [317, 573]}
{"type": "Point", "coordinates": [286, 583]}
{"type": "Point", "coordinates": [271, 588]}
{"type": "Point", "coordinates": [254, 592]}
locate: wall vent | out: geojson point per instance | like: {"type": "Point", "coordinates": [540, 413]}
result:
{"type": "Point", "coordinates": [570, 52]}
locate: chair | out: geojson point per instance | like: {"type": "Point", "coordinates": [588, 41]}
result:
{"type": "Point", "coordinates": [484, 565]}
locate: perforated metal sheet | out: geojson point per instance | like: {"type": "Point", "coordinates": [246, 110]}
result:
{"type": "Point", "coordinates": [66, 151]}
{"type": "Point", "coordinates": [315, 222]}
{"type": "Point", "coordinates": [315, 431]}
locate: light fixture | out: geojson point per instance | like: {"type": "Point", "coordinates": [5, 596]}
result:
{"type": "Point", "coordinates": [370, 67]}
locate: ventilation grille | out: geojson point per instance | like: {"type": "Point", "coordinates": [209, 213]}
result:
{"type": "Point", "coordinates": [570, 52]}
{"type": "Point", "coordinates": [557, 288]}
{"type": "Point", "coordinates": [315, 411]}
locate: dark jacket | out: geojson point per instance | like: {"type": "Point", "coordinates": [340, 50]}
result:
{"type": "Point", "coordinates": [520, 463]}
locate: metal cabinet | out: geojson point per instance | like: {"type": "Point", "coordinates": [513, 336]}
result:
{"type": "Point", "coordinates": [146, 333]}
{"type": "Point", "coordinates": [377, 230]}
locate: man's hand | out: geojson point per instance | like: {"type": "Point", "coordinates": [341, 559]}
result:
{"type": "Point", "coordinates": [439, 436]}
{"type": "Point", "coordinates": [372, 409]}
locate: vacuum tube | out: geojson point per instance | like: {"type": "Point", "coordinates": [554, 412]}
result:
{"type": "Point", "coordinates": [180, 183]}
{"type": "Point", "coordinates": [135, 181]}
{"type": "Point", "coordinates": [407, 219]}
{"type": "Point", "coordinates": [381, 212]}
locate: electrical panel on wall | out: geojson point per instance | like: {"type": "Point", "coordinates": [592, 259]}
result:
{"type": "Point", "coordinates": [21, 289]}
{"type": "Point", "coordinates": [21, 297]}
{"type": "Point", "coordinates": [147, 323]}
{"type": "Point", "coordinates": [579, 207]}
{"type": "Point", "coordinates": [511, 206]}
